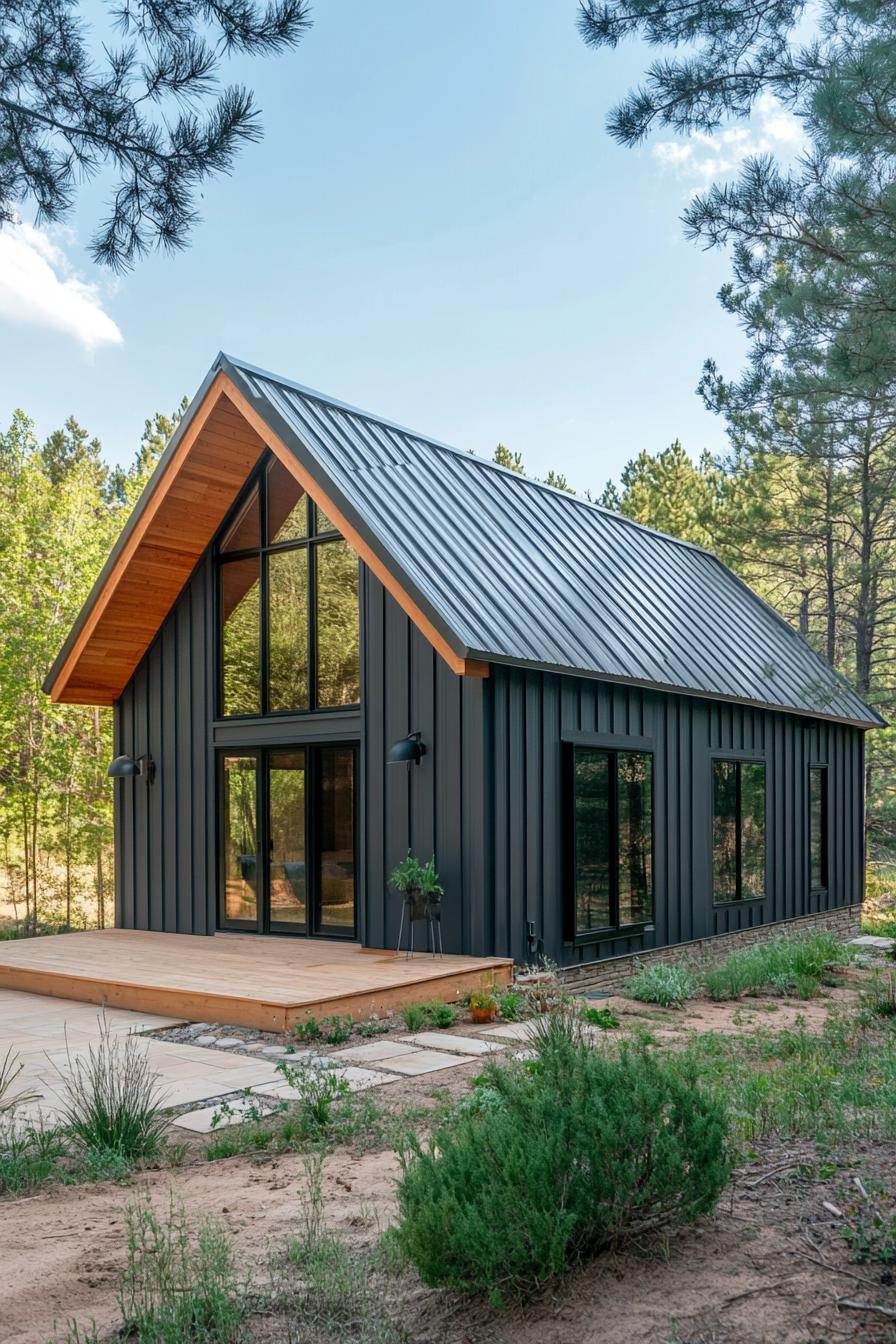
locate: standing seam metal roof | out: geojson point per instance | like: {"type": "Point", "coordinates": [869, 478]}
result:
{"type": "Point", "coordinates": [516, 571]}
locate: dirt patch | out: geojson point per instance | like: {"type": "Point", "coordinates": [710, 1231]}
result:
{"type": "Point", "coordinates": [769, 1266]}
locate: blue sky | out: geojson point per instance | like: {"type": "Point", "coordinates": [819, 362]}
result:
{"type": "Point", "coordinates": [435, 227]}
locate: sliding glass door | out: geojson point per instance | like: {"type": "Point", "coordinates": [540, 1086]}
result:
{"type": "Point", "coordinates": [287, 830]}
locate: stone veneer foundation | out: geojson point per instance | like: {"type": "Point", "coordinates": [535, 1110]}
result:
{"type": "Point", "coordinates": [611, 974]}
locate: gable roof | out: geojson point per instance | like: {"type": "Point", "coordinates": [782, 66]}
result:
{"type": "Point", "coordinates": [493, 567]}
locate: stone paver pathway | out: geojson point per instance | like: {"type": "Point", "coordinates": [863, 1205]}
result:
{"type": "Point", "coordinates": [48, 1034]}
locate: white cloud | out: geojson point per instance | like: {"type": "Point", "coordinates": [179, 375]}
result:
{"type": "Point", "coordinates": [38, 287]}
{"type": "Point", "coordinates": [704, 158]}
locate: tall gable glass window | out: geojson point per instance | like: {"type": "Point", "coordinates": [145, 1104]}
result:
{"type": "Point", "coordinates": [287, 604]}
{"type": "Point", "coordinates": [738, 831]}
{"type": "Point", "coordinates": [611, 845]}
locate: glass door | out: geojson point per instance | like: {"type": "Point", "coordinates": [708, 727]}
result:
{"type": "Point", "coordinates": [240, 878]}
{"type": "Point", "coordinates": [287, 866]}
{"type": "Point", "coordinates": [288, 840]}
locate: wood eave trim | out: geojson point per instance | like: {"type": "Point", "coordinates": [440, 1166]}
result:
{"type": "Point", "coordinates": [464, 667]}
{"type": "Point", "coordinates": [222, 384]}
{"type": "Point", "coordinates": [153, 504]}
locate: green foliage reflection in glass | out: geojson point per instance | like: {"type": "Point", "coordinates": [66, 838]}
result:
{"type": "Point", "coordinates": [738, 830]}
{"type": "Point", "coordinates": [613, 817]}
{"type": "Point", "coordinates": [310, 583]}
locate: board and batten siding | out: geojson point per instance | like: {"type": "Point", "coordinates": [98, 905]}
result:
{"type": "Point", "coordinates": [437, 807]}
{"type": "Point", "coordinates": [529, 713]}
{"type": "Point", "coordinates": [486, 799]}
{"type": "Point", "coordinates": [165, 833]}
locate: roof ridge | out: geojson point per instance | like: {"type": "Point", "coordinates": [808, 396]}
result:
{"type": "Point", "coordinates": [312, 394]}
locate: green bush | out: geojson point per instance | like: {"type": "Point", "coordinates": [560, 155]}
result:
{"type": "Point", "coordinates": [577, 1151]}
{"type": "Point", "coordinates": [178, 1288]}
{"type": "Point", "coordinates": [789, 965]}
{"type": "Point", "coordinates": [669, 986]}
{"type": "Point", "coordinates": [418, 1016]}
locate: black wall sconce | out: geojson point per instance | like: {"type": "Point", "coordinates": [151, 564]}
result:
{"type": "Point", "coordinates": [406, 751]}
{"type": "Point", "coordinates": [127, 767]}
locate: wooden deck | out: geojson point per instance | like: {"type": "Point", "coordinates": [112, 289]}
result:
{"type": "Point", "coordinates": [269, 983]}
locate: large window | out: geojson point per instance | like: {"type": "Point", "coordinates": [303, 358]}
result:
{"type": "Point", "coordinates": [611, 845]}
{"type": "Point", "coordinates": [287, 604]}
{"type": "Point", "coordinates": [818, 827]}
{"type": "Point", "coordinates": [738, 830]}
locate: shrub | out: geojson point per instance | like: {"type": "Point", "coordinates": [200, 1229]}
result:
{"type": "Point", "coordinates": [669, 986]}
{"type": "Point", "coordinates": [789, 965]}
{"type": "Point", "coordinates": [879, 996]}
{"type": "Point", "coordinates": [178, 1289]}
{"type": "Point", "coordinates": [577, 1151]}
{"type": "Point", "coordinates": [418, 1016]}
{"type": "Point", "coordinates": [599, 1017]}
{"type": "Point", "coordinates": [511, 1005]}
{"type": "Point", "coordinates": [317, 1086]}
{"type": "Point", "coordinates": [111, 1099]}
{"type": "Point", "coordinates": [30, 1154]}
{"type": "Point", "coordinates": [336, 1029]}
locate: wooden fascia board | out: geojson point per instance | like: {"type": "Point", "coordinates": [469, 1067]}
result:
{"type": "Point", "coordinates": [223, 384]}
{"type": "Point", "coordinates": [197, 423]}
{"type": "Point", "coordinates": [463, 666]}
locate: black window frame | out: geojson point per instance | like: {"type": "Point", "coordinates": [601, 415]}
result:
{"type": "Point", "coordinates": [738, 759]}
{"type": "Point", "coordinates": [314, 927]}
{"type": "Point", "coordinates": [613, 747]}
{"type": "Point", "coordinates": [822, 768]}
{"type": "Point", "coordinates": [310, 543]}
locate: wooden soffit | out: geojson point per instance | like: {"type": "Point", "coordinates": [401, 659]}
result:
{"type": "Point", "coordinates": [201, 480]}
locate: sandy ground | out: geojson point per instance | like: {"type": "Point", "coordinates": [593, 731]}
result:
{"type": "Point", "coordinates": [768, 1268]}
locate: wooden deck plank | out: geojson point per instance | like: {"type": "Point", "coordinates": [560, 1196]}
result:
{"type": "Point", "coordinates": [269, 983]}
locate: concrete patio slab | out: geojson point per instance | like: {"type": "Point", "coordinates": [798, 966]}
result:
{"type": "Point", "coordinates": [374, 1051]}
{"type": "Point", "coordinates": [461, 1045]}
{"type": "Point", "coordinates": [423, 1061]}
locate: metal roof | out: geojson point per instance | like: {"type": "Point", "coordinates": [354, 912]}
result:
{"type": "Point", "coordinates": [514, 571]}
{"type": "Point", "coordinates": [509, 570]}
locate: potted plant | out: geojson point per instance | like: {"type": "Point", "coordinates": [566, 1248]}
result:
{"type": "Point", "coordinates": [483, 1005]}
{"type": "Point", "coordinates": [419, 884]}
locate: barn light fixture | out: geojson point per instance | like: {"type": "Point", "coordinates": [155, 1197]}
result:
{"type": "Point", "coordinates": [406, 751]}
{"type": "Point", "coordinates": [126, 767]}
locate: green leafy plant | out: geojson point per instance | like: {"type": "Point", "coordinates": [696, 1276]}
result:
{"type": "Point", "coordinates": [511, 1005]}
{"type": "Point", "coordinates": [879, 996]}
{"type": "Point", "coordinates": [582, 1150]}
{"type": "Point", "coordinates": [335, 1029]}
{"type": "Point", "coordinates": [436, 1015]}
{"type": "Point", "coordinates": [412, 875]}
{"type": "Point", "coordinates": [318, 1087]}
{"type": "Point", "coordinates": [111, 1099]}
{"type": "Point", "coordinates": [179, 1288]}
{"type": "Point", "coordinates": [667, 985]}
{"type": "Point", "coordinates": [374, 1026]}
{"type": "Point", "coordinates": [483, 1001]}
{"type": "Point", "coordinates": [307, 1031]}
{"type": "Point", "coordinates": [599, 1017]}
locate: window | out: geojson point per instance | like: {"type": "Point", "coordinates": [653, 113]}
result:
{"type": "Point", "coordinates": [818, 827]}
{"type": "Point", "coordinates": [287, 603]}
{"type": "Point", "coordinates": [612, 839]}
{"type": "Point", "coordinates": [738, 830]}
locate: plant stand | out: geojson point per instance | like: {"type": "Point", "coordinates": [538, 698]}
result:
{"type": "Point", "coordinates": [414, 907]}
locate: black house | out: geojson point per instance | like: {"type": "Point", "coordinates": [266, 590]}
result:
{"type": "Point", "coordinates": [625, 748]}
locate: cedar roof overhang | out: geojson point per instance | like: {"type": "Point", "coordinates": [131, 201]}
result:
{"type": "Point", "coordinates": [198, 478]}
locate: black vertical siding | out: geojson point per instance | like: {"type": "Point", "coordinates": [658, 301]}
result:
{"type": "Point", "coordinates": [487, 798]}
{"type": "Point", "coordinates": [529, 714]}
{"type": "Point", "coordinates": [437, 807]}
{"type": "Point", "coordinates": [163, 879]}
